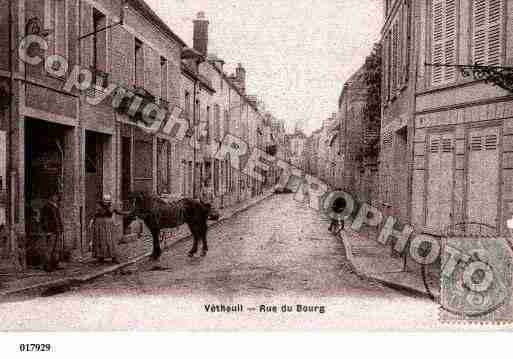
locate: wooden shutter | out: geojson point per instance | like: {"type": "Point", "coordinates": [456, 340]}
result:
{"type": "Point", "coordinates": [483, 176]}
{"type": "Point", "coordinates": [487, 32]}
{"type": "Point", "coordinates": [443, 40]}
{"type": "Point", "coordinates": [440, 181]}
{"type": "Point", "coordinates": [395, 58]}
{"type": "Point", "coordinates": [386, 67]}
{"type": "Point", "coordinates": [406, 28]}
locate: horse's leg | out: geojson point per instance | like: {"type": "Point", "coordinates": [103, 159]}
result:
{"type": "Point", "coordinates": [203, 237]}
{"type": "Point", "coordinates": [155, 231]}
{"type": "Point", "coordinates": [156, 243]}
{"type": "Point", "coordinates": [194, 248]}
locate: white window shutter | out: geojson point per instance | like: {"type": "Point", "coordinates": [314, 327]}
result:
{"type": "Point", "coordinates": [437, 41]}
{"type": "Point", "coordinates": [495, 11]}
{"type": "Point", "coordinates": [444, 30]}
{"type": "Point", "coordinates": [450, 39]}
{"type": "Point", "coordinates": [395, 57]}
{"type": "Point", "coordinates": [487, 32]}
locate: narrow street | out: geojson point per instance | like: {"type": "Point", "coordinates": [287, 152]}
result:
{"type": "Point", "coordinates": [277, 252]}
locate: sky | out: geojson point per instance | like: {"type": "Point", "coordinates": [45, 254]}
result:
{"type": "Point", "coordinates": [297, 53]}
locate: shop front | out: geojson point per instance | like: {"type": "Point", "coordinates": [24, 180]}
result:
{"type": "Point", "coordinates": [47, 147]}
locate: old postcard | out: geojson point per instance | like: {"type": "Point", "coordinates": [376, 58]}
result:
{"type": "Point", "coordinates": [260, 165]}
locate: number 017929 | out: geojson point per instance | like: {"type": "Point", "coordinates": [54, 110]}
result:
{"type": "Point", "coordinates": [35, 347]}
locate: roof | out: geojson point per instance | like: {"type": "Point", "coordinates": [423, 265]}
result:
{"type": "Point", "coordinates": [354, 82]}
{"type": "Point", "coordinates": [188, 71]}
{"type": "Point", "coordinates": [235, 88]}
{"type": "Point", "coordinates": [147, 11]}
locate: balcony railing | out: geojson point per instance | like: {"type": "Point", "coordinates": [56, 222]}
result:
{"type": "Point", "coordinates": [99, 79]}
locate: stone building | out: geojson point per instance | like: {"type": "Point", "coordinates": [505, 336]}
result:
{"type": "Point", "coordinates": [88, 142]}
{"type": "Point", "coordinates": [297, 142]}
{"type": "Point", "coordinates": [312, 153]}
{"type": "Point", "coordinates": [223, 106]}
{"type": "Point", "coordinates": [463, 128]}
{"type": "Point", "coordinates": [456, 131]}
{"type": "Point", "coordinates": [61, 139]}
{"type": "Point", "coordinates": [359, 170]}
{"type": "Point", "coordinates": [398, 88]}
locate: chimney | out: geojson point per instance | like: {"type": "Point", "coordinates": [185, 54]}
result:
{"type": "Point", "coordinates": [240, 74]}
{"type": "Point", "coordinates": [200, 37]}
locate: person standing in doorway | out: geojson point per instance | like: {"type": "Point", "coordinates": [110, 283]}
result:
{"type": "Point", "coordinates": [51, 221]}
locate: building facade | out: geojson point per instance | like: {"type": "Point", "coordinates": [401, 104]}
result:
{"type": "Point", "coordinates": [463, 128]}
{"type": "Point", "coordinates": [83, 143]}
{"type": "Point", "coordinates": [63, 140]}
{"type": "Point", "coordinates": [456, 131]}
{"type": "Point", "coordinates": [398, 88]}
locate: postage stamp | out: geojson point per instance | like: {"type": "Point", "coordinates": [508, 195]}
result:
{"type": "Point", "coordinates": [476, 279]}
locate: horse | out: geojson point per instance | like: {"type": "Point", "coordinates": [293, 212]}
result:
{"type": "Point", "coordinates": [158, 213]}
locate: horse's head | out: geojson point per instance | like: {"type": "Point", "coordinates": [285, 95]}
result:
{"type": "Point", "coordinates": [138, 205]}
{"type": "Point", "coordinates": [213, 213]}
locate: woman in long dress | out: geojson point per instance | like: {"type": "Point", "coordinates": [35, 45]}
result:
{"type": "Point", "coordinates": [104, 236]}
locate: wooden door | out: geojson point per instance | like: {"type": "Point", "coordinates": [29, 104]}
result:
{"type": "Point", "coordinates": [440, 181]}
{"type": "Point", "coordinates": [483, 176]}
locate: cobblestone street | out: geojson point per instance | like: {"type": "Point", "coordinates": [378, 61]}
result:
{"type": "Point", "coordinates": [277, 252]}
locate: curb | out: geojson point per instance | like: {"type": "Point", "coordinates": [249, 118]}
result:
{"type": "Point", "coordinates": [368, 276]}
{"type": "Point", "coordinates": [82, 279]}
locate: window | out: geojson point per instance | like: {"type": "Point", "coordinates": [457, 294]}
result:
{"type": "Point", "coordinates": [226, 125]}
{"type": "Point", "coordinates": [99, 41]}
{"type": "Point", "coordinates": [187, 105]}
{"type": "Point", "coordinates": [143, 151]}
{"type": "Point", "coordinates": [208, 125]}
{"type": "Point", "coordinates": [443, 40]}
{"type": "Point", "coordinates": [138, 64]}
{"type": "Point", "coordinates": [396, 52]}
{"type": "Point", "coordinates": [487, 23]}
{"type": "Point", "coordinates": [395, 57]}
{"type": "Point", "coordinates": [163, 78]}
{"type": "Point", "coordinates": [197, 114]}
{"type": "Point", "coordinates": [386, 67]}
{"type": "Point", "coordinates": [406, 41]}
{"type": "Point", "coordinates": [217, 122]}
{"type": "Point", "coordinates": [55, 19]}
{"type": "Point", "coordinates": [163, 166]}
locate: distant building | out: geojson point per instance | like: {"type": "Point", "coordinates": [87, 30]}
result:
{"type": "Point", "coordinates": [297, 142]}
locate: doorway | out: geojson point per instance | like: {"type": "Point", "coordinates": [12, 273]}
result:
{"type": "Point", "coordinates": [94, 159]}
{"type": "Point", "coordinates": [45, 147]}
{"type": "Point", "coordinates": [126, 169]}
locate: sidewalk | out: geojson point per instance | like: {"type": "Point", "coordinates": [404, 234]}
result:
{"type": "Point", "coordinates": [34, 281]}
{"type": "Point", "coordinates": [375, 261]}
